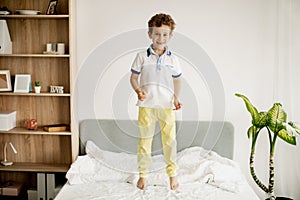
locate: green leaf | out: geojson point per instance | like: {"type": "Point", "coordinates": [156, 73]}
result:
{"type": "Point", "coordinates": [253, 111]}
{"type": "Point", "coordinates": [284, 135]}
{"type": "Point", "coordinates": [262, 120]}
{"type": "Point", "coordinates": [295, 126]}
{"type": "Point", "coordinates": [276, 116]}
{"type": "Point", "coordinates": [252, 132]}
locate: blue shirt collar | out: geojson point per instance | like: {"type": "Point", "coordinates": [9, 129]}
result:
{"type": "Point", "coordinates": [150, 51]}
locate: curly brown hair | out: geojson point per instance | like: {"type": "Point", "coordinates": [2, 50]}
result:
{"type": "Point", "coordinates": [161, 19]}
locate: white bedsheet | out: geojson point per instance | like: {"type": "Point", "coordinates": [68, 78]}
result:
{"type": "Point", "coordinates": [125, 191]}
{"type": "Point", "coordinates": [202, 174]}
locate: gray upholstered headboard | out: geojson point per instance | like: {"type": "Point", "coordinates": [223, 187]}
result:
{"type": "Point", "coordinates": [122, 135]}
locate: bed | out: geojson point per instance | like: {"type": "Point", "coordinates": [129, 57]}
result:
{"type": "Point", "coordinates": [106, 168]}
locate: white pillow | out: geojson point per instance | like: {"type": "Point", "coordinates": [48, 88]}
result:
{"type": "Point", "coordinates": [119, 162]}
{"type": "Point", "coordinates": [99, 165]}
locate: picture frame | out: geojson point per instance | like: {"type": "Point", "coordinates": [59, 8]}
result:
{"type": "Point", "coordinates": [5, 81]}
{"type": "Point", "coordinates": [22, 83]}
{"type": "Point", "coordinates": [51, 10]}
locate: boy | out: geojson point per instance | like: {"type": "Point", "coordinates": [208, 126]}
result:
{"type": "Point", "coordinates": [157, 91]}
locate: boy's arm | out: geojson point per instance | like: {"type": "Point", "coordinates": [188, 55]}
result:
{"type": "Point", "coordinates": [135, 85]}
{"type": "Point", "coordinates": [177, 88]}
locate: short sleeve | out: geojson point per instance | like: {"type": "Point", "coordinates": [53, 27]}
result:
{"type": "Point", "coordinates": [137, 64]}
{"type": "Point", "coordinates": [177, 68]}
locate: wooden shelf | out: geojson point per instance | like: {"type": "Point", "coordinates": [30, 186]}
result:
{"type": "Point", "coordinates": [39, 131]}
{"type": "Point", "coordinates": [35, 16]}
{"type": "Point", "coordinates": [35, 167]}
{"type": "Point", "coordinates": [43, 94]}
{"type": "Point", "coordinates": [39, 151]}
{"type": "Point", "coordinates": [36, 55]}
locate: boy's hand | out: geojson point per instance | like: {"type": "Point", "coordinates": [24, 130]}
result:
{"type": "Point", "coordinates": [177, 104]}
{"type": "Point", "coordinates": [141, 94]}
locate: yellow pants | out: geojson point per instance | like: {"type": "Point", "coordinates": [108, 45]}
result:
{"type": "Point", "coordinates": [147, 120]}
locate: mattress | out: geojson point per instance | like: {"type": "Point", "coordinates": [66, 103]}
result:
{"type": "Point", "coordinates": [125, 191]}
{"type": "Point", "coordinates": [202, 174]}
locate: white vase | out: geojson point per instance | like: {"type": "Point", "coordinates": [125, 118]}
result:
{"type": "Point", "coordinates": [37, 89]}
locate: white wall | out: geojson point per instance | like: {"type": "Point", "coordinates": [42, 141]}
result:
{"type": "Point", "coordinates": [238, 36]}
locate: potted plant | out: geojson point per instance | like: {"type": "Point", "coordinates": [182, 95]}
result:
{"type": "Point", "coordinates": [37, 87]}
{"type": "Point", "coordinates": [275, 122]}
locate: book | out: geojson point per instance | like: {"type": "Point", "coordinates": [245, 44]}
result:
{"type": "Point", "coordinates": [50, 186]}
{"type": "Point", "coordinates": [41, 186]}
{"type": "Point", "coordinates": [57, 128]}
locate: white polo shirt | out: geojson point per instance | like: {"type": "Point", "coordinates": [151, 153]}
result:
{"type": "Point", "coordinates": [156, 77]}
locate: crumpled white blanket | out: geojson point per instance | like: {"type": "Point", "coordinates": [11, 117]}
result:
{"type": "Point", "coordinates": [195, 165]}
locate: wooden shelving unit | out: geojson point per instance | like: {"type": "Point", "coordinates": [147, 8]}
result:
{"type": "Point", "coordinates": [36, 94]}
{"type": "Point", "coordinates": [35, 55]}
{"type": "Point", "coordinates": [36, 167]}
{"type": "Point", "coordinates": [36, 16]}
{"type": "Point", "coordinates": [38, 150]}
{"type": "Point", "coordinates": [38, 131]}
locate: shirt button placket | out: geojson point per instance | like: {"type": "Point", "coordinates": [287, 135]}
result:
{"type": "Point", "coordinates": [159, 63]}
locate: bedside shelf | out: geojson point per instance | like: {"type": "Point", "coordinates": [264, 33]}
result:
{"type": "Point", "coordinates": [39, 131]}
{"type": "Point", "coordinates": [35, 167]}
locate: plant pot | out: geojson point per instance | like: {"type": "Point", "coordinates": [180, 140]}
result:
{"type": "Point", "coordinates": [37, 89]}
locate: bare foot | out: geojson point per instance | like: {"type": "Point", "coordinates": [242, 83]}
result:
{"type": "Point", "coordinates": [141, 184]}
{"type": "Point", "coordinates": [174, 183]}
